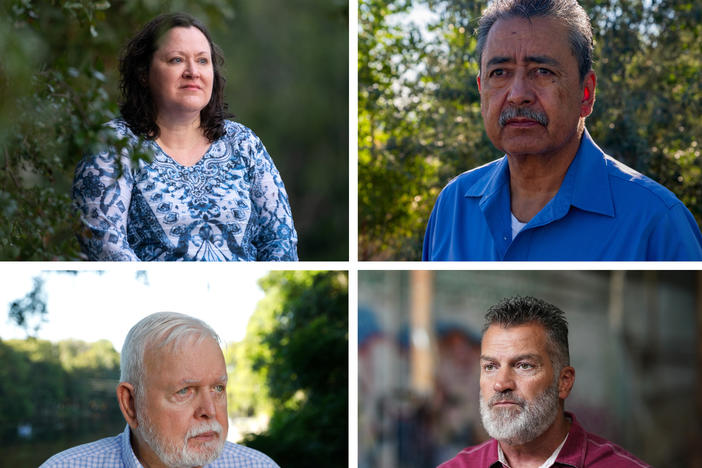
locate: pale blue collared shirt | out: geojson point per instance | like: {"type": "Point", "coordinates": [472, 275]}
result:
{"type": "Point", "coordinates": [116, 452]}
{"type": "Point", "coordinates": [603, 211]}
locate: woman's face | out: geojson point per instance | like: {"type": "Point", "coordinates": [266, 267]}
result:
{"type": "Point", "coordinates": [181, 73]}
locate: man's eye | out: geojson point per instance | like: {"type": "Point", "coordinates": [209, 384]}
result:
{"type": "Point", "coordinates": [525, 366]}
{"type": "Point", "coordinates": [497, 73]}
{"type": "Point", "coordinates": [544, 71]}
{"type": "Point", "coordinates": [183, 391]}
{"type": "Point", "coordinates": [220, 388]}
{"type": "Point", "coordinates": [489, 367]}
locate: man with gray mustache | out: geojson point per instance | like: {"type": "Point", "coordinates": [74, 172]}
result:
{"type": "Point", "coordinates": [555, 195]}
{"type": "Point", "coordinates": [525, 377]}
{"type": "Point", "coordinates": [173, 396]}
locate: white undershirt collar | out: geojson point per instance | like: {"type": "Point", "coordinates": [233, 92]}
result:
{"type": "Point", "coordinates": [546, 464]}
{"type": "Point", "coordinates": [516, 226]}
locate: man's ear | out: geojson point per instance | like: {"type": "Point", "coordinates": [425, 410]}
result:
{"type": "Point", "coordinates": [127, 403]}
{"type": "Point", "coordinates": [477, 78]}
{"type": "Point", "coordinates": [566, 379]}
{"type": "Point", "coordinates": [588, 98]}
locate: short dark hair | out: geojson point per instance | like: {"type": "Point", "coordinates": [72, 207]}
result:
{"type": "Point", "coordinates": [521, 310]}
{"type": "Point", "coordinates": [137, 105]}
{"type": "Point", "coordinates": [568, 11]}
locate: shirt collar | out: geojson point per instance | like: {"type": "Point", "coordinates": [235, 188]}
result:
{"type": "Point", "coordinates": [128, 456]}
{"type": "Point", "coordinates": [546, 464]}
{"type": "Point", "coordinates": [573, 452]}
{"type": "Point", "coordinates": [585, 185]}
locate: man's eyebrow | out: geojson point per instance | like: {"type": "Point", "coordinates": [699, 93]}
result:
{"type": "Point", "coordinates": [520, 357]}
{"type": "Point", "coordinates": [223, 378]}
{"type": "Point", "coordinates": [540, 59]}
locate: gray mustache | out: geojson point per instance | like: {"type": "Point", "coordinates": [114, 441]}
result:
{"type": "Point", "coordinates": [513, 112]}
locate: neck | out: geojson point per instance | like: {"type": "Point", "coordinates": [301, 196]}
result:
{"type": "Point", "coordinates": [535, 178]}
{"type": "Point", "coordinates": [535, 452]}
{"type": "Point", "coordinates": [177, 131]}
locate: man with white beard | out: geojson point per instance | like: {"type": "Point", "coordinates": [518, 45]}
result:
{"type": "Point", "coordinates": [172, 394]}
{"type": "Point", "coordinates": [525, 377]}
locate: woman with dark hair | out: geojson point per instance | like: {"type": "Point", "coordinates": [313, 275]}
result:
{"type": "Point", "coordinates": [211, 191]}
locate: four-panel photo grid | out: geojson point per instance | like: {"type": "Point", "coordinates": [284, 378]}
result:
{"type": "Point", "coordinates": [351, 233]}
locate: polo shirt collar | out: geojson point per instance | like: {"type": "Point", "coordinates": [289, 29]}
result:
{"type": "Point", "coordinates": [585, 186]}
{"type": "Point", "coordinates": [128, 456]}
{"type": "Point", "coordinates": [573, 452]}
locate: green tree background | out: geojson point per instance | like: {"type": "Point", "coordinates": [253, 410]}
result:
{"type": "Point", "coordinates": [419, 122]}
{"type": "Point", "coordinates": [293, 365]}
{"type": "Point", "coordinates": [287, 78]}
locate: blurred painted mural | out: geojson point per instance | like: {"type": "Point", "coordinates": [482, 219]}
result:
{"type": "Point", "coordinates": [634, 343]}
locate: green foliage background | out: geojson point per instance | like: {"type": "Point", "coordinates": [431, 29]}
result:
{"type": "Point", "coordinates": [293, 365]}
{"type": "Point", "coordinates": [419, 122]}
{"type": "Point", "coordinates": [287, 70]}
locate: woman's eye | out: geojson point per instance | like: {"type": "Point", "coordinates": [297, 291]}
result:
{"type": "Point", "coordinates": [204, 61]}
{"type": "Point", "coordinates": [176, 60]}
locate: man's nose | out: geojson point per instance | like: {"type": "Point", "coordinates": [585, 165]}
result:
{"type": "Point", "coordinates": [206, 405]}
{"type": "Point", "coordinates": [521, 91]}
{"type": "Point", "coordinates": [504, 381]}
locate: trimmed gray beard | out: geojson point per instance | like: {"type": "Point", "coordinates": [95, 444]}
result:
{"type": "Point", "coordinates": [180, 456]}
{"type": "Point", "coordinates": [520, 426]}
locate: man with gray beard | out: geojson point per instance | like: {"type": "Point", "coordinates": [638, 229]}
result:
{"type": "Point", "coordinates": [525, 377]}
{"type": "Point", "coordinates": [555, 195]}
{"type": "Point", "coordinates": [173, 396]}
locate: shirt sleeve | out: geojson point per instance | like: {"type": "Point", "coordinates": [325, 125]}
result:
{"type": "Point", "coordinates": [276, 238]}
{"type": "Point", "coordinates": [428, 235]}
{"type": "Point", "coordinates": [101, 192]}
{"type": "Point", "coordinates": [676, 237]}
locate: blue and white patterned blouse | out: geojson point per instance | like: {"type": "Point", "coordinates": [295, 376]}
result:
{"type": "Point", "coordinates": [231, 205]}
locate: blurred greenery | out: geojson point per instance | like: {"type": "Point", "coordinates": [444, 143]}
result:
{"type": "Point", "coordinates": [287, 70]}
{"type": "Point", "coordinates": [56, 387]}
{"type": "Point", "coordinates": [419, 121]}
{"type": "Point", "coordinates": [293, 365]}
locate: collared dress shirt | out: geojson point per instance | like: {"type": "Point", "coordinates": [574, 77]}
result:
{"type": "Point", "coordinates": [603, 211]}
{"type": "Point", "coordinates": [231, 205]}
{"type": "Point", "coordinates": [116, 452]}
{"type": "Point", "coordinates": [581, 450]}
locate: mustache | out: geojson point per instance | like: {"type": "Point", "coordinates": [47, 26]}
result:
{"type": "Point", "coordinates": [212, 426]}
{"type": "Point", "coordinates": [506, 397]}
{"type": "Point", "coordinates": [514, 112]}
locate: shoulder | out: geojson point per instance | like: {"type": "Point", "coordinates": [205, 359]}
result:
{"type": "Point", "coordinates": [481, 455]}
{"type": "Point", "coordinates": [600, 450]}
{"type": "Point", "coordinates": [104, 453]}
{"type": "Point", "coordinates": [239, 133]}
{"type": "Point", "coordinates": [628, 182]}
{"type": "Point", "coordinates": [473, 181]}
{"type": "Point", "coordinates": [241, 454]}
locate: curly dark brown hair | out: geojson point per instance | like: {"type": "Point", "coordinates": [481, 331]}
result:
{"type": "Point", "coordinates": [137, 105]}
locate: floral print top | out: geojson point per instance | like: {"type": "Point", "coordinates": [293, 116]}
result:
{"type": "Point", "coordinates": [231, 205]}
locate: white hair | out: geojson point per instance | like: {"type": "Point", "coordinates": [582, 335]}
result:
{"type": "Point", "coordinates": [156, 331]}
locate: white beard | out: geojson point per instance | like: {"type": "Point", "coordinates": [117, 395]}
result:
{"type": "Point", "coordinates": [175, 455]}
{"type": "Point", "coordinates": [517, 426]}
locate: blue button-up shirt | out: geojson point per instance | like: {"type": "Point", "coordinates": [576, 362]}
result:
{"type": "Point", "coordinates": [603, 210]}
{"type": "Point", "coordinates": [116, 452]}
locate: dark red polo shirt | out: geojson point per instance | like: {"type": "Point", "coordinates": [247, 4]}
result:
{"type": "Point", "coordinates": [581, 450]}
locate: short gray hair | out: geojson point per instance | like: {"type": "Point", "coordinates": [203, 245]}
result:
{"type": "Point", "coordinates": [569, 12]}
{"type": "Point", "coordinates": [156, 331]}
{"type": "Point", "coordinates": [518, 310]}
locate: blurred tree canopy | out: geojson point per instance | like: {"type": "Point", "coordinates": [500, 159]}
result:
{"type": "Point", "coordinates": [293, 365]}
{"type": "Point", "coordinates": [419, 121]}
{"type": "Point", "coordinates": [287, 71]}
{"type": "Point", "coordinates": [56, 387]}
